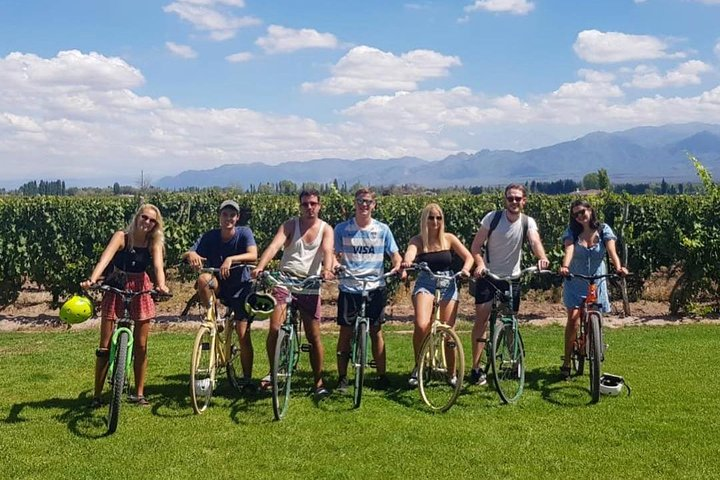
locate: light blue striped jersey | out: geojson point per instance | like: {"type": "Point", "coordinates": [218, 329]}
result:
{"type": "Point", "coordinates": [362, 251]}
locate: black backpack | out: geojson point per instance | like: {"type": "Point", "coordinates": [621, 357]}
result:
{"type": "Point", "coordinates": [493, 225]}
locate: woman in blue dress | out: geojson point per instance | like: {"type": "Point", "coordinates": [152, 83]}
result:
{"type": "Point", "coordinates": [586, 241]}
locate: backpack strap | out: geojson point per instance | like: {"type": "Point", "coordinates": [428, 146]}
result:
{"type": "Point", "coordinates": [493, 225]}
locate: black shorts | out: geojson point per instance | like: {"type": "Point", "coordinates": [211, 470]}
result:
{"type": "Point", "coordinates": [234, 297]}
{"type": "Point", "coordinates": [349, 307]}
{"type": "Point", "coordinates": [485, 289]}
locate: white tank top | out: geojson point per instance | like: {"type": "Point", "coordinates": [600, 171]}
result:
{"type": "Point", "coordinates": [303, 259]}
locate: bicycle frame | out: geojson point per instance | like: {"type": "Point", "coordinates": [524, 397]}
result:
{"type": "Point", "coordinates": [358, 344]}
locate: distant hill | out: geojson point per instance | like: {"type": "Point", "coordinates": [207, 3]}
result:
{"type": "Point", "coordinates": [642, 154]}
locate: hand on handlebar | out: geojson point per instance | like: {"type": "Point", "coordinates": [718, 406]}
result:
{"type": "Point", "coordinates": [195, 260]}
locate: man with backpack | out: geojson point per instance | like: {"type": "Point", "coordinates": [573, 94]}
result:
{"type": "Point", "coordinates": [497, 247]}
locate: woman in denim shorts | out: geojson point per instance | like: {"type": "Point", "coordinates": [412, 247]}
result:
{"type": "Point", "coordinates": [435, 247]}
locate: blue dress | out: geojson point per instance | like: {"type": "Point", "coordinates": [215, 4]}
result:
{"type": "Point", "coordinates": [587, 261]}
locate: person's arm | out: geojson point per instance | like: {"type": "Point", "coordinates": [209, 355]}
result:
{"type": "Point", "coordinates": [116, 243]}
{"type": "Point", "coordinates": [537, 248]}
{"type": "Point", "coordinates": [567, 258]}
{"type": "Point", "coordinates": [248, 257]}
{"type": "Point", "coordinates": [327, 246]}
{"type": "Point", "coordinates": [476, 250]}
{"type": "Point", "coordinates": [275, 245]}
{"type": "Point", "coordinates": [194, 259]}
{"type": "Point", "coordinates": [158, 260]}
{"type": "Point", "coordinates": [410, 253]}
{"type": "Point", "coordinates": [610, 245]}
{"type": "Point", "coordinates": [457, 246]}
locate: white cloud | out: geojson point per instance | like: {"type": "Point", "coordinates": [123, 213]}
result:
{"type": "Point", "coordinates": [285, 40]}
{"type": "Point", "coordinates": [717, 49]}
{"type": "Point", "coordinates": [204, 17]}
{"type": "Point", "coordinates": [184, 51]}
{"type": "Point", "coordinates": [609, 47]}
{"type": "Point", "coordinates": [365, 69]}
{"type": "Point", "coordinates": [515, 7]}
{"type": "Point", "coordinates": [687, 73]}
{"type": "Point", "coordinates": [239, 57]}
{"type": "Point", "coordinates": [708, 2]}
{"type": "Point", "coordinates": [77, 114]}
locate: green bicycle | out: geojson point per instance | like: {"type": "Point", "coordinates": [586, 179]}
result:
{"type": "Point", "coordinates": [121, 351]}
{"type": "Point", "coordinates": [506, 348]}
{"type": "Point", "coordinates": [287, 345]}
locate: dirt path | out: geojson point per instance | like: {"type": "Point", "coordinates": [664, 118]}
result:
{"type": "Point", "coordinates": [31, 312]}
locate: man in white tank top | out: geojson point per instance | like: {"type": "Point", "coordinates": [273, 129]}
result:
{"type": "Point", "coordinates": [307, 244]}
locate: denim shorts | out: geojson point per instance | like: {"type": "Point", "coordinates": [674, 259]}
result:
{"type": "Point", "coordinates": [426, 283]}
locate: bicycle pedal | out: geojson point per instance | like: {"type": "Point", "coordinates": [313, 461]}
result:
{"type": "Point", "coordinates": [372, 364]}
{"type": "Point", "coordinates": [305, 347]}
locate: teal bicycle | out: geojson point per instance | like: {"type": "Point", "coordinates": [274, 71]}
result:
{"type": "Point", "coordinates": [287, 345]}
{"type": "Point", "coordinates": [361, 333]}
{"type": "Point", "coordinates": [506, 350]}
{"type": "Point", "coordinates": [121, 352]}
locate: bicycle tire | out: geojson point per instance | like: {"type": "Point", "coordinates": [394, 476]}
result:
{"type": "Point", "coordinates": [118, 380]}
{"type": "Point", "coordinates": [440, 378]}
{"type": "Point", "coordinates": [594, 354]}
{"type": "Point", "coordinates": [202, 370]}
{"type": "Point", "coordinates": [281, 374]}
{"type": "Point", "coordinates": [233, 365]}
{"type": "Point", "coordinates": [507, 357]}
{"type": "Point", "coordinates": [359, 361]}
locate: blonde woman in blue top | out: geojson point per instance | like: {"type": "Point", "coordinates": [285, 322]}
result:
{"type": "Point", "coordinates": [586, 241]}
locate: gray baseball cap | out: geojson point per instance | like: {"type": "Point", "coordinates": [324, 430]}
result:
{"type": "Point", "coordinates": [231, 204]}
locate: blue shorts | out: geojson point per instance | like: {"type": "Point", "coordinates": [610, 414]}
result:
{"type": "Point", "coordinates": [425, 283]}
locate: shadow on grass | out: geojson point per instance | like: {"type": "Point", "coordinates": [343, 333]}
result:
{"type": "Point", "coordinates": [82, 420]}
{"type": "Point", "coordinates": [555, 390]}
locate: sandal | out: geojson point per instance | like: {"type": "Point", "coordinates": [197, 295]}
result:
{"type": "Point", "coordinates": [139, 400]}
{"type": "Point", "coordinates": [565, 373]}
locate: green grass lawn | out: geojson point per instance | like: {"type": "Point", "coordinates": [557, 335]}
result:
{"type": "Point", "coordinates": [668, 428]}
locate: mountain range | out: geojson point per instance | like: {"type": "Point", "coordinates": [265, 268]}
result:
{"type": "Point", "coordinates": [641, 154]}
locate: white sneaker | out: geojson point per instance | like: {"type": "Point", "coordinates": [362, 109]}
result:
{"type": "Point", "coordinates": [413, 380]}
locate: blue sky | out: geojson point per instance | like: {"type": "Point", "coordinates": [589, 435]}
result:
{"type": "Point", "coordinates": [96, 91]}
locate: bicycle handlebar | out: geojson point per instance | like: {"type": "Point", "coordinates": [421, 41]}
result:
{"type": "Point", "coordinates": [510, 278]}
{"type": "Point", "coordinates": [423, 266]}
{"type": "Point", "coordinates": [232, 267]}
{"type": "Point", "coordinates": [592, 278]}
{"type": "Point", "coordinates": [282, 279]}
{"type": "Point", "coordinates": [345, 273]}
{"type": "Point", "coordinates": [129, 293]}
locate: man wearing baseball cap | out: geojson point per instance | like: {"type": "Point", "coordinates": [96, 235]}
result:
{"type": "Point", "coordinates": [221, 248]}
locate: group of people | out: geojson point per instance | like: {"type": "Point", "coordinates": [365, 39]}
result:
{"type": "Point", "coordinates": [312, 247]}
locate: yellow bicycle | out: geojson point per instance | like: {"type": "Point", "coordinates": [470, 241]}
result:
{"type": "Point", "coordinates": [216, 348]}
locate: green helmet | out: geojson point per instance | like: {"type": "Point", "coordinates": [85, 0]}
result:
{"type": "Point", "coordinates": [259, 305]}
{"type": "Point", "coordinates": [76, 310]}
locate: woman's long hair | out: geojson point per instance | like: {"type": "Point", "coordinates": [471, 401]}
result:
{"type": "Point", "coordinates": [575, 226]}
{"type": "Point", "coordinates": [156, 236]}
{"type": "Point", "coordinates": [425, 234]}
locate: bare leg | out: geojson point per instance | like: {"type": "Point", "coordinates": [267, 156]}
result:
{"type": "Point", "coordinates": [482, 314]}
{"type": "Point", "coordinates": [317, 352]}
{"type": "Point", "coordinates": [571, 328]}
{"type": "Point", "coordinates": [343, 349]}
{"type": "Point", "coordinates": [102, 360]}
{"type": "Point", "coordinates": [142, 329]}
{"type": "Point", "coordinates": [246, 348]}
{"type": "Point", "coordinates": [378, 348]}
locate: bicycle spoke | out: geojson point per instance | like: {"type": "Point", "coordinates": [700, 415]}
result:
{"type": "Point", "coordinates": [440, 370]}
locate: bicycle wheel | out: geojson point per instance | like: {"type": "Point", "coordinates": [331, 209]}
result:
{"type": "Point", "coordinates": [233, 365]}
{"type": "Point", "coordinates": [282, 372]}
{"type": "Point", "coordinates": [594, 354]}
{"type": "Point", "coordinates": [441, 368]}
{"type": "Point", "coordinates": [359, 359]}
{"type": "Point", "coordinates": [118, 380]}
{"type": "Point", "coordinates": [202, 370]}
{"type": "Point", "coordinates": [507, 358]}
